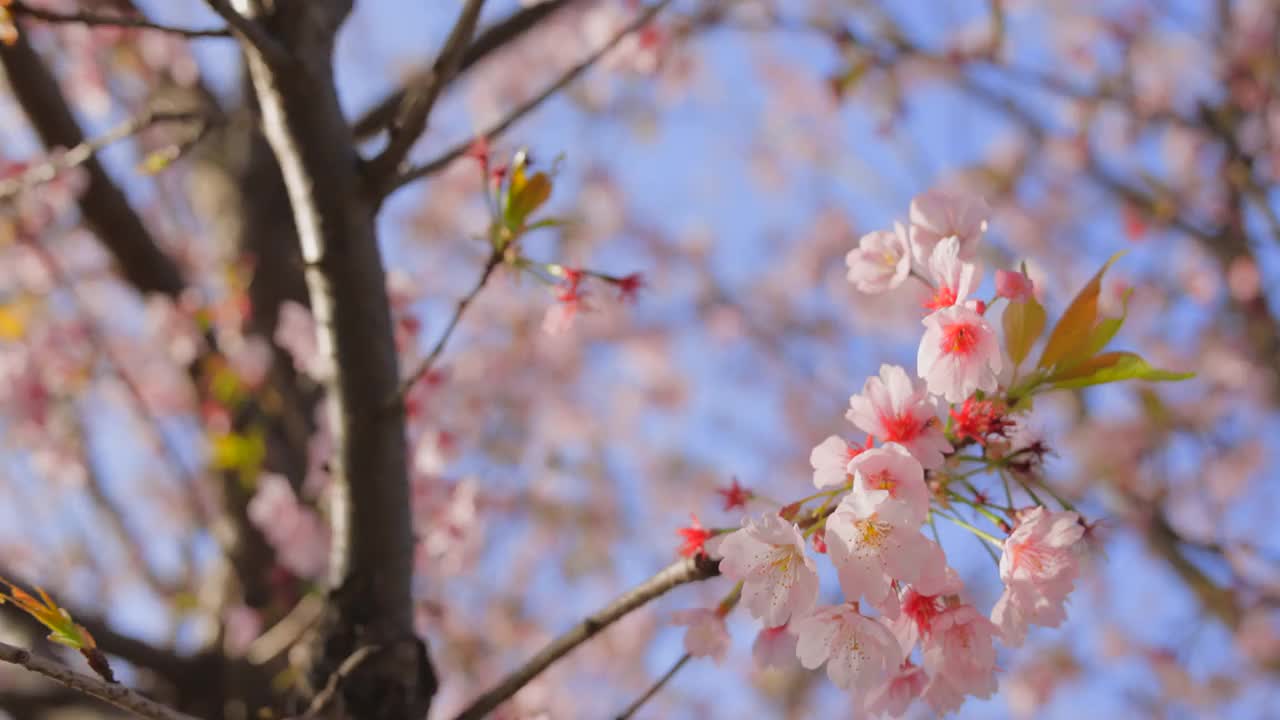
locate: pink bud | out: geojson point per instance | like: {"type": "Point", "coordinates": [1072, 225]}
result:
{"type": "Point", "coordinates": [1013, 285]}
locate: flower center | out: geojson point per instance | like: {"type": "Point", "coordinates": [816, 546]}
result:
{"type": "Point", "coordinates": [883, 480]}
{"type": "Point", "coordinates": [900, 428]}
{"type": "Point", "coordinates": [959, 338]}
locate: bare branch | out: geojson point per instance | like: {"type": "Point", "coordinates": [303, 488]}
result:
{"type": "Point", "coordinates": [104, 205]}
{"type": "Point", "coordinates": [634, 707]}
{"type": "Point", "coordinates": [679, 573]}
{"type": "Point", "coordinates": [412, 116]}
{"type": "Point", "coordinates": [495, 259]}
{"type": "Point", "coordinates": [80, 154]}
{"type": "Point", "coordinates": [118, 695]}
{"type": "Point", "coordinates": [489, 40]}
{"type": "Point", "coordinates": [532, 103]}
{"type": "Point", "coordinates": [84, 17]}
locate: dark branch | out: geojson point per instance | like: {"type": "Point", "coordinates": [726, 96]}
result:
{"type": "Point", "coordinates": [249, 31]}
{"type": "Point", "coordinates": [411, 118]}
{"type": "Point", "coordinates": [685, 571]}
{"type": "Point", "coordinates": [489, 40]}
{"type": "Point", "coordinates": [104, 205]}
{"type": "Point", "coordinates": [334, 209]}
{"type": "Point", "coordinates": [84, 17]}
{"type": "Point", "coordinates": [532, 103]}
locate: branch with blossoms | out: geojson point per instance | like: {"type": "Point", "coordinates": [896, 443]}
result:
{"type": "Point", "coordinates": [951, 443]}
{"type": "Point", "coordinates": [514, 193]}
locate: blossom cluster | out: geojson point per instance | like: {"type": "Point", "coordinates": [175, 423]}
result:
{"type": "Point", "coordinates": [905, 629]}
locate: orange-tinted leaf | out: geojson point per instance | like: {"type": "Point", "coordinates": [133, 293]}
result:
{"type": "Point", "coordinates": [1069, 342]}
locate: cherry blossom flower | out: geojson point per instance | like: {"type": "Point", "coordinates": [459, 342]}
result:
{"type": "Point", "coordinates": [1013, 285]}
{"type": "Point", "coordinates": [881, 262]}
{"type": "Point", "coordinates": [830, 461]}
{"type": "Point", "coordinates": [894, 697]}
{"type": "Point", "coordinates": [707, 635]}
{"type": "Point", "coordinates": [959, 354]}
{"type": "Point", "coordinates": [960, 650]}
{"type": "Point", "coordinates": [775, 647]}
{"type": "Point", "coordinates": [779, 580]}
{"type": "Point", "coordinates": [869, 552]}
{"type": "Point", "coordinates": [1039, 567]}
{"type": "Point", "coordinates": [938, 214]}
{"type": "Point", "coordinates": [892, 408]}
{"type": "Point", "coordinates": [890, 482]}
{"type": "Point", "coordinates": [953, 279]}
{"type": "Point", "coordinates": [859, 651]}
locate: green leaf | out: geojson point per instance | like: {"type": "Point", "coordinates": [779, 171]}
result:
{"type": "Point", "coordinates": [1112, 367]}
{"type": "Point", "coordinates": [1023, 322]}
{"type": "Point", "coordinates": [525, 197]}
{"type": "Point", "coordinates": [1071, 338]}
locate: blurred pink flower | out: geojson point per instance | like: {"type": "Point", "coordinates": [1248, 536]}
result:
{"type": "Point", "coordinates": [894, 697]}
{"type": "Point", "coordinates": [960, 651]}
{"type": "Point", "coordinates": [707, 635]}
{"type": "Point", "coordinates": [881, 261]}
{"type": "Point", "coordinates": [775, 647]}
{"type": "Point", "coordinates": [1014, 285]}
{"type": "Point", "coordinates": [938, 214]}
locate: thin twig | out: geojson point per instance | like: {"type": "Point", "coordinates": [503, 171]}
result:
{"type": "Point", "coordinates": [411, 118]}
{"type": "Point", "coordinates": [272, 643]}
{"type": "Point", "coordinates": [115, 694]}
{"type": "Point", "coordinates": [495, 259]}
{"type": "Point", "coordinates": [679, 573]}
{"type": "Point", "coordinates": [82, 153]}
{"type": "Point", "coordinates": [487, 41]}
{"type": "Point", "coordinates": [634, 707]}
{"type": "Point", "coordinates": [441, 162]}
{"type": "Point", "coordinates": [84, 17]}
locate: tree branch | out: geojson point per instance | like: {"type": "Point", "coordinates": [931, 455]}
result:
{"type": "Point", "coordinates": [334, 209]}
{"type": "Point", "coordinates": [489, 40]}
{"type": "Point", "coordinates": [250, 32]}
{"type": "Point", "coordinates": [118, 695]}
{"type": "Point", "coordinates": [679, 573]}
{"type": "Point", "coordinates": [84, 17]}
{"type": "Point", "coordinates": [495, 259]}
{"type": "Point", "coordinates": [411, 118]}
{"type": "Point", "coordinates": [104, 205]}
{"type": "Point", "coordinates": [442, 161]}
{"type": "Point", "coordinates": [80, 154]}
